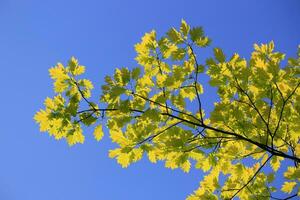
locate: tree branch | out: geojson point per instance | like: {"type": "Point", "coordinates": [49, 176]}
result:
{"type": "Point", "coordinates": [161, 72]}
{"type": "Point", "coordinates": [254, 175]}
{"type": "Point", "coordinates": [202, 125]}
{"type": "Point", "coordinates": [195, 83]}
{"type": "Point", "coordinates": [161, 105]}
{"type": "Point", "coordinates": [81, 93]}
{"type": "Point", "coordinates": [151, 137]}
{"type": "Point", "coordinates": [283, 106]}
{"type": "Point", "coordinates": [253, 105]}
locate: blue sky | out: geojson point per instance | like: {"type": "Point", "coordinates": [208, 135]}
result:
{"type": "Point", "coordinates": [35, 35]}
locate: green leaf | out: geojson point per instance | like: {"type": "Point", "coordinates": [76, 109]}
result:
{"type": "Point", "coordinates": [125, 106]}
{"type": "Point", "coordinates": [270, 177]}
{"type": "Point", "coordinates": [72, 108]}
{"type": "Point", "coordinates": [178, 54]}
{"type": "Point", "coordinates": [203, 42]}
{"type": "Point", "coordinates": [196, 33]}
{"type": "Point", "coordinates": [125, 75]}
{"type": "Point", "coordinates": [188, 92]}
{"type": "Point", "coordinates": [174, 36]}
{"type": "Point", "coordinates": [135, 73]}
{"type": "Point", "coordinates": [73, 63]}
{"type": "Point", "coordinates": [178, 101]}
{"type": "Point", "coordinates": [219, 55]}
{"type": "Point", "coordinates": [87, 119]}
{"type": "Point", "coordinates": [152, 114]}
{"type": "Point", "coordinates": [117, 91]}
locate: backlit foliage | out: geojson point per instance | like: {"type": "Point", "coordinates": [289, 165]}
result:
{"type": "Point", "coordinates": [156, 110]}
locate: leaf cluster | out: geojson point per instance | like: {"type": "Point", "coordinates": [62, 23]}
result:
{"type": "Point", "coordinates": [156, 109]}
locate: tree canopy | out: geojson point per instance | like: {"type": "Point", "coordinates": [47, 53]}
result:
{"type": "Point", "coordinates": [156, 109]}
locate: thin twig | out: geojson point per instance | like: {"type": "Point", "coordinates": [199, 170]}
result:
{"type": "Point", "coordinates": [151, 137]}
{"type": "Point", "coordinates": [254, 175]}
{"type": "Point", "coordinates": [196, 82]}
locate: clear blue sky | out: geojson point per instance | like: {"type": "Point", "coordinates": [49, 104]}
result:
{"type": "Point", "coordinates": [35, 35]}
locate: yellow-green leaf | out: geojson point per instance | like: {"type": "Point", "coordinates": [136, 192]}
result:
{"type": "Point", "coordinates": [98, 132]}
{"type": "Point", "coordinates": [288, 187]}
{"type": "Point", "coordinates": [184, 28]}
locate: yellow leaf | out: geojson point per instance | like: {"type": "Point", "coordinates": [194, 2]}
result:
{"type": "Point", "coordinates": [160, 79]}
{"type": "Point", "coordinates": [60, 86]}
{"type": "Point", "coordinates": [192, 197]}
{"type": "Point", "coordinates": [186, 166]}
{"type": "Point", "coordinates": [73, 62]}
{"type": "Point", "coordinates": [145, 81]}
{"type": "Point", "coordinates": [58, 72]}
{"type": "Point", "coordinates": [49, 103]}
{"type": "Point", "coordinates": [152, 157]}
{"type": "Point", "coordinates": [256, 47]}
{"type": "Point", "coordinates": [79, 70]}
{"type": "Point", "coordinates": [137, 154]}
{"type": "Point", "coordinates": [184, 28]}
{"type": "Point", "coordinates": [210, 181]}
{"type": "Point", "coordinates": [123, 159]}
{"type": "Point", "coordinates": [188, 92]}
{"type": "Point", "coordinates": [297, 150]}
{"type": "Point", "coordinates": [254, 90]}
{"type": "Point", "coordinates": [288, 187]}
{"type": "Point", "coordinates": [206, 165]}
{"type": "Point", "coordinates": [283, 87]}
{"type": "Point", "coordinates": [86, 83]}
{"type": "Point", "coordinates": [275, 163]}
{"type": "Point", "coordinates": [199, 88]}
{"type": "Point", "coordinates": [41, 117]}
{"type": "Point", "coordinates": [76, 137]}
{"type": "Point", "coordinates": [265, 157]}
{"type": "Point", "coordinates": [117, 136]}
{"type": "Point", "coordinates": [114, 153]}
{"type": "Point", "coordinates": [188, 66]}
{"type": "Point", "coordinates": [292, 173]}
{"type": "Point", "coordinates": [98, 132]}
{"type": "Point", "coordinates": [260, 63]}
